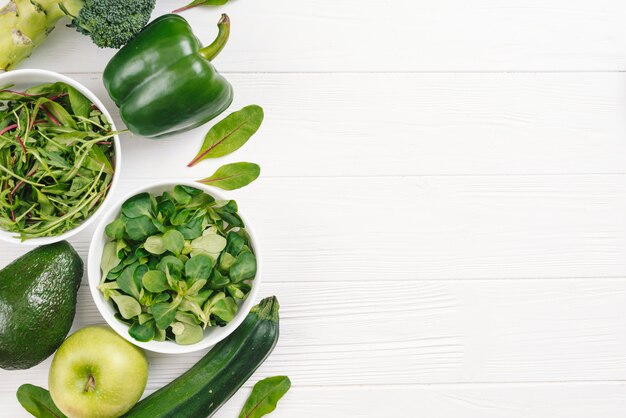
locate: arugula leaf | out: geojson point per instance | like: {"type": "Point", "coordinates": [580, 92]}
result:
{"type": "Point", "coordinates": [265, 396]}
{"type": "Point", "coordinates": [38, 402]}
{"type": "Point", "coordinates": [230, 134]}
{"type": "Point", "coordinates": [233, 176]}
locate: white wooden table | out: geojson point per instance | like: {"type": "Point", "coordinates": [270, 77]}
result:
{"type": "Point", "coordinates": [442, 206]}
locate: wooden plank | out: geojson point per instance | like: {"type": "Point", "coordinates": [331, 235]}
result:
{"type": "Point", "coordinates": [468, 401]}
{"type": "Point", "coordinates": [435, 228]}
{"type": "Point", "coordinates": [390, 332]}
{"type": "Point", "coordinates": [411, 124]}
{"type": "Point", "coordinates": [404, 35]}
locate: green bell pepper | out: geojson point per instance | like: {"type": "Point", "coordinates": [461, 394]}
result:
{"type": "Point", "coordinates": [163, 80]}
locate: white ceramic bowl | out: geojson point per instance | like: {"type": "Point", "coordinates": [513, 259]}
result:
{"type": "Point", "coordinates": [211, 335]}
{"type": "Point", "coordinates": [23, 79]}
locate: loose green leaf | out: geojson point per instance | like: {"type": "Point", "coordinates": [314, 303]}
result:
{"type": "Point", "coordinates": [173, 241]}
{"type": "Point", "coordinates": [127, 305]}
{"type": "Point", "coordinates": [139, 205]}
{"type": "Point", "coordinates": [143, 332]}
{"type": "Point", "coordinates": [199, 267]}
{"type": "Point", "coordinates": [129, 282]}
{"type": "Point", "coordinates": [225, 309]}
{"type": "Point", "coordinates": [110, 260]}
{"type": "Point", "coordinates": [244, 267]}
{"type": "Point", "coordinates": [233, 176]}
{"type": "Point", "coordinates": [165, 313]}
{"type": "Point", "coordinates": [155, 281]}
{"type": "Point", "coordinates": [140, 228]}
{"type": "Point", "coordinates": [265, 396]}
{"type": "Point", "coordinates": [230, 134]}
{"type": "Point", "coordinates": [211, 245]}
{"type": "Point", "coordinates": [196, 3]}
{"type": "Point", "coordinates": [218, 281]}
{"type": "Point", "coordinates": [172, 266]}
{"type": "Point", "coordinates": [38, 402]}
{"type": "Point", "coordinates": [182, 195]}
{"type": "Point", "coordinates": [187, 334]}
{"type": "Point", "coordinates": [116, 229]}
{"type": "Point", "coordinates": [155, 245]}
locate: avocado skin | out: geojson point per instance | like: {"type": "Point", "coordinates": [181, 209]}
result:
{"type": "Point", "coordinates": [37, 304]}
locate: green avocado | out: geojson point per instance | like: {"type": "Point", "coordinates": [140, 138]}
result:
{"type": "Point", "coordinates": [37, 304]}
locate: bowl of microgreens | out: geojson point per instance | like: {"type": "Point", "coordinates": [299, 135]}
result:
{"type": "Point", "coordinates": [59, 157]}
{"type": "Point", "coordinates": [174, 267]}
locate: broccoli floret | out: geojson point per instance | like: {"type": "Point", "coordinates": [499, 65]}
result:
{"type": "Point", "coordinates": [112, 23]}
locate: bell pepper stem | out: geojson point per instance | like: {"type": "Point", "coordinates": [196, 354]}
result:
{"type": "Point", "coordinates": [211, 51]}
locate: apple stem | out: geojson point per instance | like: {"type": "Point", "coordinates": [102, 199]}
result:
{"type": "Point", "coordinates": [91, 384]}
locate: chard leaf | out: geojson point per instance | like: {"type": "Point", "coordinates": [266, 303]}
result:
{"type": "Point", "coordinates": [230, 134]}
{"type": "Point", "coordinates": [38, 402]}
{"type": "Point", "coordinates": [265, 396]}
{"type": "Point", "coordinates": [196, 3]}
{"type": "Point", "coordinates": [57, 113]}
{"type": "Point", "coordinates": [81, 106]}
{"type": "Point", "coordinates": [233, 176]}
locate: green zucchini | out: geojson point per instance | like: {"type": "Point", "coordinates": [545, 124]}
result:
{"type": "Point", "coordinates": [202, 390]}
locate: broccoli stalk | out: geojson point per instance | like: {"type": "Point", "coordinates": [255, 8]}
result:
{"type": "Point", "coordinates": [24, 24]}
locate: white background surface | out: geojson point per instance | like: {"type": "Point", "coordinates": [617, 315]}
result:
{"type": "Point", "coordinates": [442, 206]}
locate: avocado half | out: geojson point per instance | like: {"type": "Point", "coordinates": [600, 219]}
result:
{"type": "Point", "coordinates": [37, 304]}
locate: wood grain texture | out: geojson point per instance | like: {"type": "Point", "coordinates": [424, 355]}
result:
{"type": "Point", "coordinates": [468, 401]}
{"type": "Point", "coordinates": [434, 228]}
{"type": "Point", "coordinates": [389, 332]}
{"type": "Point", "coordinates": [441, 208]}
{"type": "Point", "coordinates": [404, 35]}
{"type": "Point", "coordinates": [411, 124]}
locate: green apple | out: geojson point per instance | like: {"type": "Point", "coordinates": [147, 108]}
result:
{"type": "Point", "coordinates": [97, 374]}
